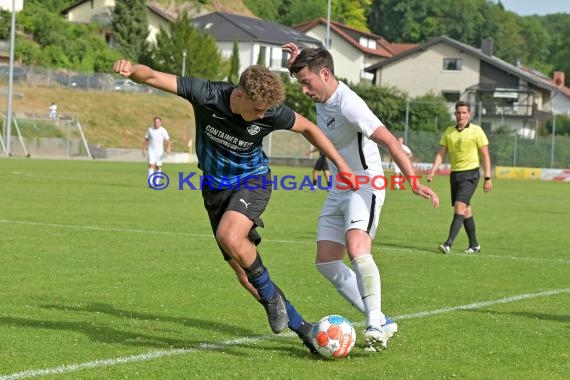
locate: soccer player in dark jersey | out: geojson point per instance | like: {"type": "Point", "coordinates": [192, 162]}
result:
{"type": "Point", "coordinates": [231, 122]}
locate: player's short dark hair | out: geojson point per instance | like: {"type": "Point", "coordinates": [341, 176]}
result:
{"type": "Point", "coordinates": [462, 103]}
{"type": "Point", "coordinates": [313, 58]}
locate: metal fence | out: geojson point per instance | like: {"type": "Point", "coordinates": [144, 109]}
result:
{"type": "Point", "coordinates": [507, 148]}
{"type": "Point", "coordinates": [39, 76]}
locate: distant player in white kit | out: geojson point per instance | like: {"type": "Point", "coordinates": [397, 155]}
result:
{"type": "Point", "coordinates": [408, 151]}
{"type": "Point", "coordinates": [154, 140]}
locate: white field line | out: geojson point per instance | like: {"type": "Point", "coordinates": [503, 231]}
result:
{"type": "Point", "coordinates": [236, 342]}
{"type": "Point", "coordinates": [302, 242]}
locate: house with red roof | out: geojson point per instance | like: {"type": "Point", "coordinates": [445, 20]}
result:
{"type": "Point", "coordinates": [353, 50]}
{"type": "Point", "coordinates": [501, 94]}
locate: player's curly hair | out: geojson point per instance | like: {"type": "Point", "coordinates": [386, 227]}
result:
{"type": "Point", "coordinates": [262, 86]}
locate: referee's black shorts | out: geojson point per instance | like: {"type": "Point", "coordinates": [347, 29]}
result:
{"type": "Point", "coordinates": [463, 185]}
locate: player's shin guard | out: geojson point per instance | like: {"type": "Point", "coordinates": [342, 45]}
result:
{"type": "Point", "coordinates": [258, 276]}
{"type": "Point", "coordinates": [368, 280]}
{"type": "Point", "coordinates": [344, 280]}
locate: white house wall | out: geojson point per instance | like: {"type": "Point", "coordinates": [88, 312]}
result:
{"type": "Point", "coordinates": [422, 72]}
{"type": "Point", "coordinates": [84, 12]}
{"type": "Point", "coordinates": [154, 24]}
{"type": "Point", "coordinates": [561, 104]}
{"type": "Point", "coordinates": [348, 61]}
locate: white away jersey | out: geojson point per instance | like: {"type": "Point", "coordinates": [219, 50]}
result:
{"type": "Point", "coordinates": [348, 122]}
{"type": "Point", "coordinates": [156, 138]}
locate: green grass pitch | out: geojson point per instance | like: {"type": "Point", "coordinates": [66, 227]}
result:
{"type": "Point", "coordinates": [103, 278]}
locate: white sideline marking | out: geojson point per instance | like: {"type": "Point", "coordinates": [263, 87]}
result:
{"type": "Point", "coordinates": [305, 242]}
{"type": "Point", "coordinates": [236, 342]}
{"type": "Point", "coordinates": [479, 305]}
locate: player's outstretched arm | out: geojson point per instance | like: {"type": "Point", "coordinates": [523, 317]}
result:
{"type": "Point", "coordinates": [321, 142]}
{"type": "Point", "coordinates": [146, 75]}
{"type": "Point", "coordinates": [383, 136]}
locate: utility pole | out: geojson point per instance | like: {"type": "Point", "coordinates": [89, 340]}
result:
{"type": "Point", "coordinates": [8, 118]}
{"type": "Point", "coordinates": [328, 35]}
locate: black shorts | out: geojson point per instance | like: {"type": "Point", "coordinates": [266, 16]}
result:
{"type": "Point", "coordinates": [250, 203]}
{"type": "Point", "coordinates": [322, 163]}
{"type": "Point", "coordinates": [463, 185]}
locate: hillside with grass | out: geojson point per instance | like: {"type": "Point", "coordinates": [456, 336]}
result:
{"type": "Point", "coordinates": [111, 118]}
{"type": "Point", "coordinates": [198, 7]}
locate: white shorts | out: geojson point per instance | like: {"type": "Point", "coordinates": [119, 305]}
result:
{"type": "Point", "coordinates": [155, 158]}
{"type": "Point", "coordinates": [346, 210]}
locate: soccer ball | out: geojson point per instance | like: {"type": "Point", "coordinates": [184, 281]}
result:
{"type": "Point", "coordinates": [333, 336]}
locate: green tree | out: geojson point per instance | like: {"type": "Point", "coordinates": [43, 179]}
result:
{"type": "Point", "coordinates": [203, 58]}
{"type": "Point", "coordinates": [417, 20]}
{"type": "Point", "coordinates": [290, 12]}
{"type": "Point", "coordinates": [298, 101]}
{"type": "Point", "coordinates": [58, 43]}
{"type": "Point", "coordinates": [233, 76]}
{"type": "Point", "coordinates": [428, 113]}
{"type": "Point", "coordinates": [562, 125]}
{"type": "Point", "coordinates": [397, 20]}
{"type": "Point", "coordinates": [54, 6]}
{"type": "Point", "coordinates": [5, 23]}
{"type": "Point", "coordinates": [558, 26]}
{"type": "Point", "coordinates": [261, 56]}
{"type": "Point", "coordinates": [508, 44]}
{"type": "Point", "coordinates": [302, 10]}
{"type": "Point", "coordinates": [264, 9]}
{"type": "Point", "coordinates": [130, 24]}
{"type": "Point", "coordinates": [351, 12]}
{"type": "Point", "coordinates": [538, 42]}
{"type": "Point", "coordinates": [388, 103]}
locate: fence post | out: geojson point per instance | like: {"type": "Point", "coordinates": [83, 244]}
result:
{"type": "Point", "coordinates": [407, 121]}
{"type": "Point", "coordinates": [515, 151]}
{"type": "Point", "coordinates": [553, 140]}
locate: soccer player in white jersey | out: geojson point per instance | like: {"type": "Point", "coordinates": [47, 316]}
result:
{"type": "Point", "coordinates": [349, 219]}
{"type": "Point", "coordinates": [154, 140]}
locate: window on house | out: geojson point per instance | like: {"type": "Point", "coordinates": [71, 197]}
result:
{"type": "Point", "coordinates": [368, 43]}
{"type": "Point", "coordinates": [451, 96]}
{"type": "Point", "coordinates": [452, 64]}
{"type": "Point", "coordinates": [284, 58]}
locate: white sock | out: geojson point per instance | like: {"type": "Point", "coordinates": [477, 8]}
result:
{"type": "Point", "coordinates": [150, 171]}
{"type": "Point", "coordinates": [368, 279]}
{"type": "Point", "coordinates": [344, 280]}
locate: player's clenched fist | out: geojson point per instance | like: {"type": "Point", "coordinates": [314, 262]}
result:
{"type": "Point", "coordinates": [123, 67]}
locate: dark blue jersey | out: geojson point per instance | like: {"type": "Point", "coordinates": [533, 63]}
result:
{"type": "Point", "coordinates": [228, 147]}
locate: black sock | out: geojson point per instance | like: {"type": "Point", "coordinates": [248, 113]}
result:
{"type": "Point", "coordinates": [454, 229]}
{"type": "Point", "coordinates": [469, 224]}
